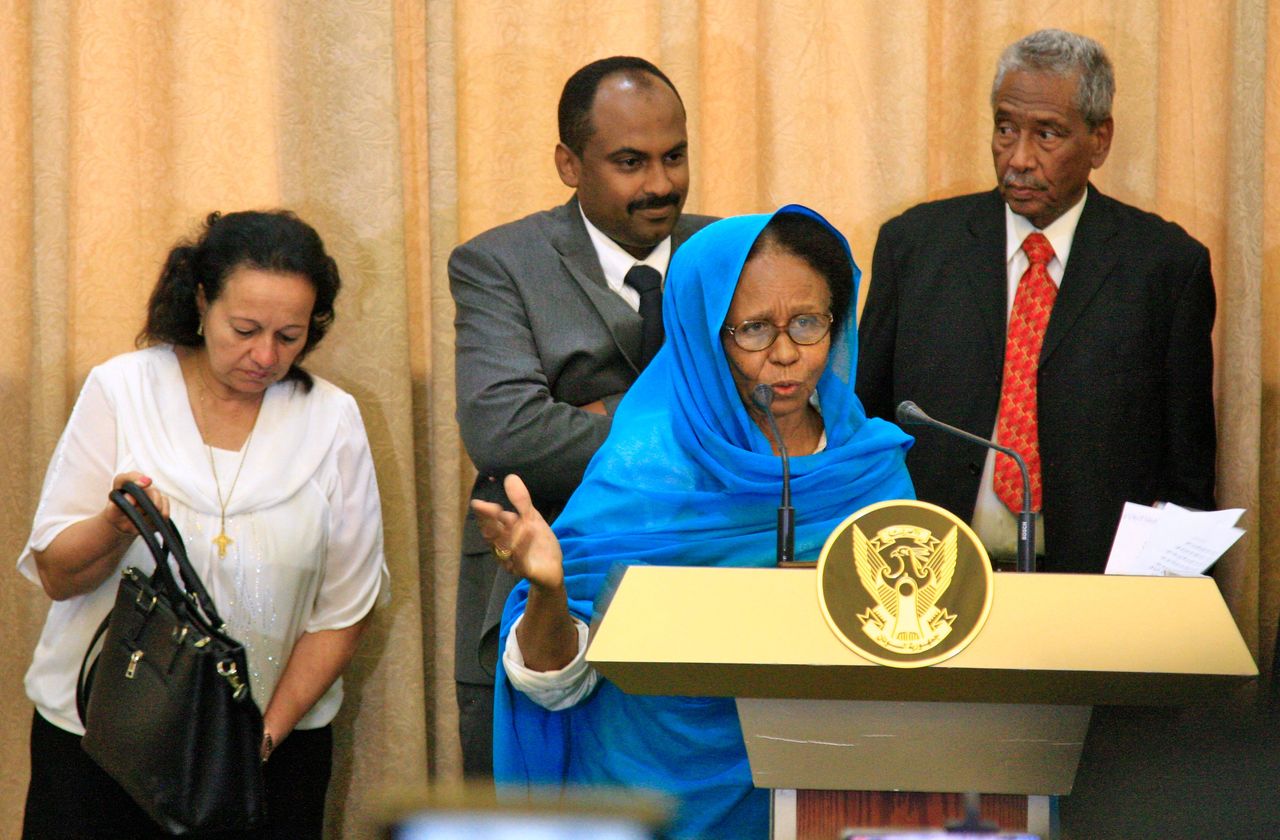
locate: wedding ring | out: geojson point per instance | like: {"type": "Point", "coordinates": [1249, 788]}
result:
{"type": "Point", "coordinates": [501, 553]}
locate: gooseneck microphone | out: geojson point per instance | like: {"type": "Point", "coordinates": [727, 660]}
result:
{"type": "Point", "coordinates": [762, 396]}
{"type": "Point", "coordinates": [910, 414]}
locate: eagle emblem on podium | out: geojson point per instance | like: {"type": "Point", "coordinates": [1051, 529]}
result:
{"type": "Point", "coordinates": [904, 583]}
{"type": "Point", "coordinates": [906, 570]}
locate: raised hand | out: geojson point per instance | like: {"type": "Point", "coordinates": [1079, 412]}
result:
{"type": "Point", "coordinates": [522, 541]}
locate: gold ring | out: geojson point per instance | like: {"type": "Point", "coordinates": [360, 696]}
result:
{"type": "Point", "coordinates": [501, 553]}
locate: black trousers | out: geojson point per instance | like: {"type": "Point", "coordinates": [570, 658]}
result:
{"type": "Point", "coordinates": [475, 729]}
{"type": "Point", "coordinates": [71, 798]}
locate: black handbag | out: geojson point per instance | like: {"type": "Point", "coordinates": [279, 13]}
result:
{"type": "Point", "coordinates": [166, 705]}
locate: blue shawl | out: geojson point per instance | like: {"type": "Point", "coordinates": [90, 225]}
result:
{"type": "Point", "coordinates": [686, 478]}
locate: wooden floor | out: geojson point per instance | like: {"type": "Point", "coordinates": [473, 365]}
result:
{"type": "Point", "coordinates": [824, 815]}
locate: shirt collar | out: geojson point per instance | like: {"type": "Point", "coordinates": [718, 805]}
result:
{"type": "Point", "coordinates": [615, 262]}
{"type": "Point", "coordinates": [1060, 232]}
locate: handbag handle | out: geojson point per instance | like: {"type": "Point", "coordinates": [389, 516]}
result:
{"type": "Point", "coordinates": [193, 588]}
{"type": "Point", "coordinates": [88, 666]}
{"type": "Point", "coordinates": [162, 577]}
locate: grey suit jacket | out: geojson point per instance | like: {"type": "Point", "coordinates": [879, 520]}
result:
{"type": "Point", "coordinates": [539, 332]}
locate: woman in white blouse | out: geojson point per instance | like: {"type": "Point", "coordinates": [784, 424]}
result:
{"type": "Point", "coordinates": [265, 470]}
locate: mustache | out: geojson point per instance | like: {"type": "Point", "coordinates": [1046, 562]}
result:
{"type": "Point", "coordinates": [654, 202]}
{"type": "Point", "coordinates": [1024, 180]}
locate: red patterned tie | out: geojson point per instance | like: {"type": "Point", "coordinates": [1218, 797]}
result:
{"type": "Point", "coordinates": [1017, 427]}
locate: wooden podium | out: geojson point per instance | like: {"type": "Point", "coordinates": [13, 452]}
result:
{"type": "Point", "coordinates": [1007, 715]}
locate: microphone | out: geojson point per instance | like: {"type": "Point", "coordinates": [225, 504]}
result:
{"type": "Point", "coordinates": [762, 396]}
{"type": "Point", "coordinates": [910, 414]}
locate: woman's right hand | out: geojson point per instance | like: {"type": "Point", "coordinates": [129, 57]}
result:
{"type": "Point", "coordinates": [86, 553]}
{"type": "Point", "coordinates": [522, 541]}
{"type": "Point", "coordinates": [116, 517]}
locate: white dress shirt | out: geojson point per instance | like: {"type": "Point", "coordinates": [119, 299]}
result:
{"type": "Point", "coordinates": [615, 262]}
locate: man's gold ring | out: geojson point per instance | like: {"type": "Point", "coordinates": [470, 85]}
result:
{"type": "Point", "coordinates": [501, 553]}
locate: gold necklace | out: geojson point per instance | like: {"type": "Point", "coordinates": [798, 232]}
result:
{"type": "Point", "coordinates": [222, 540]}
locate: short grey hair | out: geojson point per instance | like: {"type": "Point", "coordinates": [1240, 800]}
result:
{"type": "Point", "coordinates": [1064, 54]}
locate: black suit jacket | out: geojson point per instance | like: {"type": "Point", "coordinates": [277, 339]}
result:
{"type": "Point", "coordinates": [1125, 384]}
{"type": "Point", "coordinates": [538, 333]}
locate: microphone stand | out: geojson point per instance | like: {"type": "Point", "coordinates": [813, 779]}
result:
{"type": "Point", "coordinates": [910, 414]}
{"type": "Point", "coordinates": [762, 396]}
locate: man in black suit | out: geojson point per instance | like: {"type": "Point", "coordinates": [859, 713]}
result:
{"type": "Point", "coordinates": [552, 329]}
{"type": "Point", "coordinates": [1113, 397]}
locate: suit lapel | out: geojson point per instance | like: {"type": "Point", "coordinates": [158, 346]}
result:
{"type": "Point", "coordinates": [984, 267]}
{"type": "Point", "coordinates": [680, 233]}
{"type": "Point", "coordinates": [1090, 261]}
{"type": "Point", "coordinates": [570, 240]}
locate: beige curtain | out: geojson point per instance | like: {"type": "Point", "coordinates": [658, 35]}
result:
{"type": "Point", "coordinates": [401, 127]}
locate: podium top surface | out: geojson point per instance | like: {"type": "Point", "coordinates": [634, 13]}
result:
{"type": "Point", "coordinates": [1063, 639]}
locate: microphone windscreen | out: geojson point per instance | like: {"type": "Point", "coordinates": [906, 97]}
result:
{"type": "Point", "coordinates": [762, 396]}
{"type": "Point", "coordinates": [908, 413]}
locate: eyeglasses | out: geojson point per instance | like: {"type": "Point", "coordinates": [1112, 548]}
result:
{"type": "Point", "coordinates": [809, 328]}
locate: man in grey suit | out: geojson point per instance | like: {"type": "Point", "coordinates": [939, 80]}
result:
{"type": "Point", "coordinates": [557, 314]}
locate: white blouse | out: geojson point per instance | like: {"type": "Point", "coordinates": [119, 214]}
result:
{"type": "Point", "coordinates": [304, 519]}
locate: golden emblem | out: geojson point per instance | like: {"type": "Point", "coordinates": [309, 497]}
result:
{"type": "Point", "coordinates": [904, 583]}
{"type": "Point", "coordinates": [906, 569]}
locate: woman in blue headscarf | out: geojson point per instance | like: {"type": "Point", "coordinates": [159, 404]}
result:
{"type": "Point", "coordinates": [690, 476]}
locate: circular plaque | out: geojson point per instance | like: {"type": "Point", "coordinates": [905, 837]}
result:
{"type": "Point", "coordinates": [904, 583]}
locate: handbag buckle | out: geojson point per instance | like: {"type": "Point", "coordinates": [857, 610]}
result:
{"type": "Point", "coordinates": [132, 669]}
{"type": "Point", "coordinates": [146, 608]}
{"type": "Point", "coordinates": [227, 670]}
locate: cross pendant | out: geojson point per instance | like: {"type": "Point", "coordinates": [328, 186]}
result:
{"type": "Point", "coordinates": [222, 541]}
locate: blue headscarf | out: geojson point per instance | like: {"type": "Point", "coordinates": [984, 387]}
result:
{"type": "Point", "coordinates": [686, 478]}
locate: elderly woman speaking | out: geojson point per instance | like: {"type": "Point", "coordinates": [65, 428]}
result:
{"type": "Point", "coordinates": [690, 476]}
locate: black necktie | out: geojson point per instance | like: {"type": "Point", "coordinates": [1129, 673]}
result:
{"type": "Point", "coordinates": [648, 282]}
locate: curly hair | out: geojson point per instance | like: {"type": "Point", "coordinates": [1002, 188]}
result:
{"type": "Point", "coordinates": [275, 240]}
{"type": "Point", "coordinates": [1064, 54]}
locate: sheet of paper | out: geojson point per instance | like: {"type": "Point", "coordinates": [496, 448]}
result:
{"type": "Point", "coordinates": [1136, 525]}
{"type": "Point", "coordinates": [1171, 540]}
{"type": "Point", "coordinates": [1228, 518]}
